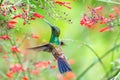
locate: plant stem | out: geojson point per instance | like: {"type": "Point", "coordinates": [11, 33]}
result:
{"type": "Point", "coordinates": [113, 2]}
{"type": "Point", "coordinates": [2, 74]}
{"type": "Point", "coordinates": [20, 62]}
{"type": "Point", "coordinates": [97, 57]}
{"type": "Point", "coordinates": [1, 2]}
{"type": "Point", "coordinates": [95, 62]}
{"type": "Point", "coordinates": [115, 43]}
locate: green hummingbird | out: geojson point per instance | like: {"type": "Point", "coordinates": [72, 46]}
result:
{"type": "Point", "coordinates": [54, 47]}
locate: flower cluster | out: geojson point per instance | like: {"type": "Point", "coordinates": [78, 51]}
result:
{"type": "Point", "coordinates": [21, 11]}
{"type": "Point", "coordinates": [14, 69]}
{"type": "Point", "coordinates": [95, 17]}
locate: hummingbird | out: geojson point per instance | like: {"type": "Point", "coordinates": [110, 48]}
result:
{"type": "Point", "coordinates": [54, 47]}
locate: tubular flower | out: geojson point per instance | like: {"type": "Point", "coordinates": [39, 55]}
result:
{"type": "Point", "coordinates": [5, 37]}
{"type": "Point", "coordinates": [10, 74]}
{"type": "Point", "coordinates": [67, 76]}
{"type": "Point", "coordinates": [38, 15]}
{"type": "Point", "coordinates": [11, 23]}
{"type": "Point", "coordinates": [14, 8]}
{"type": "Point", "coordinates": [116, 9]}
{"type": "Point", "coordinates": [35, 36]}
{"type": "Point", "coordinates": [24, 78]}
{"type": "Point", "coordinates": [16, 68]}
{"type": "Point", "coordinates": [41, 64]}
{"type": "Point", "coordinates": [15, 49]}
{"type": "Point", "coordinates": [65, 4]}
{"type": "Point", "coordinates": [53, 66]}
{"type": "Point", "coordinates": [98, 8]}
{"type": "Point", "coordinates": [105, 29]}
{"type": "Point", "coordinates": [35, 72]}
{"type": "Point", "coordinates": [17, 16]}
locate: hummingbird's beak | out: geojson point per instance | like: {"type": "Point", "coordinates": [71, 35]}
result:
{"type": "Point", "coordinates": [48, 23]}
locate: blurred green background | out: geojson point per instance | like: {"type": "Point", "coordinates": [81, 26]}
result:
{"type": "Point", "coordinates": [81, 43]}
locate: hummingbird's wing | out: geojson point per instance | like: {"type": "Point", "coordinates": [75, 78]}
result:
{"type": "Point", "coordinates": [45, 47]}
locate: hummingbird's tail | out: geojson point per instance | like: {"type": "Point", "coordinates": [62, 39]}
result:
{"type": "Point", "coordinates": [63, 66]}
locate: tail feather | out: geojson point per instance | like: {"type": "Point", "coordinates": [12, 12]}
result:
{"type": "Point", "coordinates": [63, 66]}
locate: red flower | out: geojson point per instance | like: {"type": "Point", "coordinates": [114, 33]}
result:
{"type": "Point", "coordinates": [49, 62]}
{"type": "Point", "coordinates": [41, 64]}
{"type": "Point", "coordinates": [10, 74]}
{"type": "Point", "coordinates": [38, 15]}
{"type": "Point", "coordinates": [17, 16]}
{"type": "Point", "coordinates": [53, 66]}
{"type": "Point", "coordinates": [15, 49]}
{"type": "Point", "coordinates": [86, 22]}
{"type": "Point", "coordinates": [24, 78]}
{"type": "Point", "coordinates": [5, 37]}
{"type": "Point", "coordinates": [103, 20]}
{"type": "Point", "coordinates": [35, 36]}
{"type": "Point", "coordinates": [111, 16]}
{"type": "Point", "coordinates": [62, 3]}
{"type": "Point", "coordinates": [105, 29]}
{"type": "Point", "coordinates": [35, 72]}
{"type": "Point", "coordinates": [32, 18]}
{"type": "Point", "coordinates": [116, 9]}
{"type": "Point", "coordinates": [70, 75]}
{"type": "Point", "coordinates": [11, 23]}
{"type": "Point", "coordinates": [98, 8]}
{"type": "Point", "coordinates": [67, 76]}
{"type": "Point", "coordinates": [14, 8]}
{"type": "Point", "coordinates": [4, 13]}
{"type": "Point", "coordinates": [4, 57]}
{"type": "Point", "coordinates": [71, 61]}
{"type": "Point", "coordinates": [16, 68]}
{"type": "Point", "coordinates": [74, 0]}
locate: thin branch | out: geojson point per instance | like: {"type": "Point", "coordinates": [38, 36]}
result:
{"type": "Point", "coordinates": [1, 2]}
{"type": "Point", "coordinates": [97, 57]}
{"type": "Point", "coordinates": [113, 2]}
{"type": "Point", "coordinates": [95, 62]}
